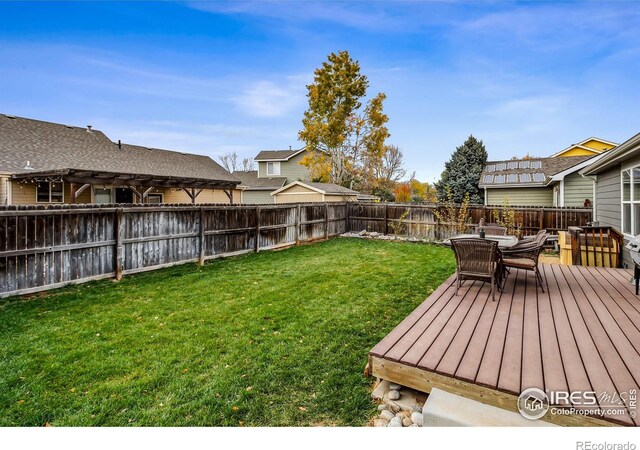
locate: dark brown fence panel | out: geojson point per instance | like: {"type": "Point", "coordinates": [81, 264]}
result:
{"type": "Point", "coordinates": [420, 221]}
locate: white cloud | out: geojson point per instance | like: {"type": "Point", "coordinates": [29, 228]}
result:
{"type": "Point", "coordinates": [267, 99]}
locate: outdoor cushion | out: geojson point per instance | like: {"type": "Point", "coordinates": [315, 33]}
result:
{"type": "Point", "coordinates": [523, 263]}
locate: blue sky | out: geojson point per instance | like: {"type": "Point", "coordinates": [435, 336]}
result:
{"type": "Point", "coordinates": [211, 77]}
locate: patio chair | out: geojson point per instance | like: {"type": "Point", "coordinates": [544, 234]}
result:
{"type": "Point", "coordinates": [477, 259]}
{"type": "Point", "coordinates": [525, 256]}
{"type": "Point", "coordinates": [532, 238]}
{"type": "Point", "coordinates": [494, 230]}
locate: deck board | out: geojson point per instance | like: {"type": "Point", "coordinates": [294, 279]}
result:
{"type": "Point", "coordinates": [582, 333]}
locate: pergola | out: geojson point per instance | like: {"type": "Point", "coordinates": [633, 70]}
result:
{"type": "Point", "coordinates": [141, 184]}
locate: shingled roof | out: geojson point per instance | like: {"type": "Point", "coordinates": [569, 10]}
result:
{"type": "Point", "coordinates": [253, 183]}
{"type": "Point", "coordinates": [526, 172]}
{"type": "Point", "coordinates": [324, 188]}
{"type": "Point", "coordinates": [52, 147]}
{"type": "Point", "coordinates": [277, 155]}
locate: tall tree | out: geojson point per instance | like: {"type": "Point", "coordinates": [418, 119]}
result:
{"type": "Point", "coordinates": [344, 138]}
{"type": "Point", "coordinates": [229, 161]}
{"type": "Point", "coordinates": [462, 172]}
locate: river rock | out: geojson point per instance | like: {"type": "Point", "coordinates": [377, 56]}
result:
{"type": "Point", "coordinates": [394, 395]}
{"type": "Point", "coordinates": [387, 415]}
{"type": "Point", "coordinates": [417, 418]}
{"type": "Point", "coordinates": [395, 422]}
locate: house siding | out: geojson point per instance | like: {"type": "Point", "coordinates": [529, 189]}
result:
{"type": "Point", "coordinates": [257, 197]}
{"type": "Point", "coordinates": [577, 189]}
{"type": "Point", "coordinates": [25, 194]}
{"type": "Point", "coordinates": [291, 169]}
{"type": "Point", "coordinates": [521, 196]}
{"type": "Point", "coordinates": [172, 195]}
{"type": "Point", "coordinates": [299, 197]}
{"type": "Point", "coordinates": [3, 190]}
{"type": "Point", "coordinates": [607, 203]}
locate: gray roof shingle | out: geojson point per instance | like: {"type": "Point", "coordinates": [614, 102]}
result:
{"type": "Point", "coordinates": [51, 146]}
{"type": "Point", "coordinates": [276, 155]}
{"type": "Point", "coordinates": [253, 183]}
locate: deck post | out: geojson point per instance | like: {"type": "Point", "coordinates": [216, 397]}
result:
{"type": "Point", "coordinates": [118, 228]}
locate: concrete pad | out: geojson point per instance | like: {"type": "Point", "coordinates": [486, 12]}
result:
{"type": "Point", "coordinates": [443, 409]}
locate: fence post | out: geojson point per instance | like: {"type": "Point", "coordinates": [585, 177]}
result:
{"type": "Point", "coordinates": [201, 258]}
{"type": "Point", "coordinates": [386, 218]}
{"type": "Point", "coordinates": [326, 220]}
{"type": "Point", "coordinates": [257, 244]}
{"type": "Point", "coordinates": [347, 228]}
{"type": "Point", "coordinates": [541, 219]}
{"type": "Point", "coordinates": [298, 224]}
{"type": "Point", "coordinates": [118, 228]}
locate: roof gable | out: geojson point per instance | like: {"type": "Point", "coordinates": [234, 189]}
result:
{"type": "Point", "coordinates": [589, 146]}
{"type": "Point", "coordinates": [322, 188]}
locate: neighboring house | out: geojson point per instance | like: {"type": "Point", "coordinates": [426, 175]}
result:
{"type": "Point", "coordinates": [537, 182]}
{"type": "Point", "coordinates": [258, 190]}
{"type": "Point", "coordinates": [553, 181]}
{"type": "Point", "coordinates": [44, 163]}
{"type": "Point", "coordinates": [589, 147]}
{"type": "Point", "coordinates": [617, 189]}
{"type": "Point", "coordinates": [275, 169]}
{"type": "Point", "coordinates": [300, 191]}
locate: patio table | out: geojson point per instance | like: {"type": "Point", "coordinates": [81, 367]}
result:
{"type": "Point", "coordinates": [503, 241]}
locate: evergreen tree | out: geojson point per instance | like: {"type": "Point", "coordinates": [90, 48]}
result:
{"type": "Point", "coordinates": [462, 172]}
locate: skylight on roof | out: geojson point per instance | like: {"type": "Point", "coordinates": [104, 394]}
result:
{"type": "Point", "coordinates": [538, 177]}
{"type": "Point", "coordinates": [512, 178]}
{"type": "Point", "coordinates": [512, 165]}
{"type": "Point", "coordinates": [491, 168]}
{"type": "Point", "coordinates": [525, 178]}
{"type": "Point", "coordinates": [501, 166]}
{"type": "Point", "coordinates": [536, 164]}
{"type": "Point", "coordinates": [524, 164]}
{"type": "Point", "coordinates": [487, 179]}
{"type": "Point", "coordinates": [499, 179]}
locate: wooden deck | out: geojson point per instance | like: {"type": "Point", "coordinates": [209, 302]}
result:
{"type": "Point", "coordinates": [582, 334]}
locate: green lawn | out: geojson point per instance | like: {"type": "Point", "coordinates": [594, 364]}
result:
{"type": "Point", "coordinates": [277, 338]}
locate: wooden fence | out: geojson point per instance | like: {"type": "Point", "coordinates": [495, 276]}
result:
{"type": "Point", "coordinates": [45, 247]}
{"type": "Point", "coordinates": [420, 220]}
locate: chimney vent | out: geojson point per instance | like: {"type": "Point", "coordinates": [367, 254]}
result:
{"type": "Point", "coordinates": [119, 144]}
{"type": "Point", "coordinates": [289, 147]}
{"type": "Point", "coordinates": [89, 127]}
{"type": "Point", "coordinates": [28, 166]}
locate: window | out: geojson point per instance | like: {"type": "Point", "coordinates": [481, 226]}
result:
{"type": "Point", "coordinates": [273, 168]}
{"type": "Point", "coordinates": [501, 166]}
{"type": "Point", "coordinates": [512, 165]}
{"type": "Point", "coordinates": [50, 192]}
{"type": "Point", "coordinates": [154, 198]}
{"type": "Point", "coordinates": [102, 195]}
{"type": "Point", "coordinates": [488, 179]}
{"type": "Point", "coordinates": [538, 177]}
{"type": "Point", "coordinates": [491, 168]}
{"type": "Point", "coordinates": [536, 164]}
{"type": "Point", "coordinates": [512, 178]}
{"type": "Point", "coordinates": [499, 179]}
{"type": "Point", "coordinates": [630, 180]}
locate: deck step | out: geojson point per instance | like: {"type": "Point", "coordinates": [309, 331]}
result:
{"type": "Point", "coordinates": [443, 409]}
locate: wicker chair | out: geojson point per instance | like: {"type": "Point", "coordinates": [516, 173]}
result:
{"type": "Point", "coordinates": [493, 230]}
{"type": "Point", "coordinates": [525, 256]}
{"type": "Point", "coordinates": [530, 239]}
{"type": "Point", "coordinates": [477, 259]}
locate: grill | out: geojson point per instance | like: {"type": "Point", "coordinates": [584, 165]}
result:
{"type": "Point", "coordinates": [634, 249]}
